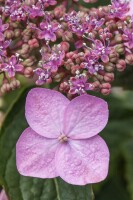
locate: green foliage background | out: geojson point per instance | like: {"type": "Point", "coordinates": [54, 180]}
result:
{"type": "Point", "coordinates": [118, 135]}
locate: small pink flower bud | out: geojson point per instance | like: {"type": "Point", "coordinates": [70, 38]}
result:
{"type": "Point", "coordinates": [49, 80]}
{"type": "Point", "coordinates": [58, 77]}
{"type": "Point", "coordinates": [14, 84]}
{"type": "Point", "coordinates": [59, 33]}
{"type": "Point", "coordinates": [33, 43]}
{"type": "Point", "coordinates": [75, 68]}
{"type": "Point", "coordinates": [64, 87]}
{"type": "Point", "coordinates": [69, 54]}
{"type": "Point", "coordinates": [118, 38]}
{"type": "Point", "coordinates": [17, 32]}
{"type": "Point", "coordinates": [30, 2]}
{"type": "Point", "coordinates": [28, 72]}
{"type": "Point", "coordinates": [120, 49]}
{"type": "Point", "coordinates": [105, 88]}
{"type": "Point", "coordinates": [15, 24]}
{"type": "Point", "coordinates": [25, 49]}
{"type": "Point", "coordinates": [65, 46]}
{"type": "Point", "coordinates": [113, 57]}
{"type": "Point", "coordinates": [108, 77]}
{"type": "Point", "coordinates": [68, 64]}
{"type": "Point", "coordinates": [99, 77]}
{"type": "Point", "coordinates": [129, 59]}
{"type": "Point", "coordinates": [121, 65]}
{"type": "Point", "coordinates": [59, 11]}
{"type": "Point", "coordinates": [109, 67]}
{"type": "Point", "coordinates": [9, 34]}
{"type": "Point", "coordinates": [96, 85]}
{"type": "Point", "coordinates": [67, 36]}
{"type": "Point", "coordinates": [5, 88]}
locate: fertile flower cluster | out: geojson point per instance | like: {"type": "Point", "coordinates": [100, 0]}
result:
{"type": "Point", "coordinates": [64, 43]}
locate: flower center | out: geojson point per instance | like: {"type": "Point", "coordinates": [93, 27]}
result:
{"type": "Point", "coordinates": [63, 138]}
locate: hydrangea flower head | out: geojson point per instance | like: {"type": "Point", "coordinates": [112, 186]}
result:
{"type": "Point", "coordinates": [62, 138]}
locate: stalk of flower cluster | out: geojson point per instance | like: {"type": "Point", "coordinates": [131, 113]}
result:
{"type": "Point", "coordinates": [64, 43]}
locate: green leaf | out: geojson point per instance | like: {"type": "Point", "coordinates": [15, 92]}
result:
{"type": "Point", "coordinates": [117, 134]}
{"type": "Point", "coordinates": [113, 189]}
{"type": "Point", "coordinates": [26, 188]}
{"type": "Point", "coordinates": [94, 5]}
{"type": "Point", "coordinates": [127, 150]}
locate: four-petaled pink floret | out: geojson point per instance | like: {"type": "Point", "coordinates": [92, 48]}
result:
{"type": "Point", "coordinates": [63, 139]}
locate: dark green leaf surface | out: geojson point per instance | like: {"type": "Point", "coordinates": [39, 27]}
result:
{"type": "Point", "coordinates": [128, 155]}
{"type": "Point", "coordinates": [119, 136]}
{"type": "Point", "coordinates": [26, 188]}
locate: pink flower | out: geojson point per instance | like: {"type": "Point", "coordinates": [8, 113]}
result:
{"type": "Point", "coordinates": [12, 66]}
{"type": "Point", "coordinates": [62, 138]}
{"type": "Point", "coordinates": [3, 195]}
{"type": "Point", "coordinates": [131, 7]}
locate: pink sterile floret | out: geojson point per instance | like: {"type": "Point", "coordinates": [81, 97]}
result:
{"type": "Point", "coordinates": [3, 195]}
{"type": "Point", "coordinates": [130, 12]}
{"type": "Point", "coordinates": [62, 138]}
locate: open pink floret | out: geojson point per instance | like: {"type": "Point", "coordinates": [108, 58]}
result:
{"type": "Point", "coordinates": [3, 195]}
{"type": "Point", "coordinates": [62, 138]}
{"type": "Point", "coordinates": [130, 12]}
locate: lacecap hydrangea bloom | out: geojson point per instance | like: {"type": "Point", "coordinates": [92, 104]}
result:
{"type": "Point", "coordinates": [63, 139]}
{"type": "Point", "coordinates": [62, 42]}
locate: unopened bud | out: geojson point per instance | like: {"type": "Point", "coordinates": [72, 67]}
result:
{"type": "Point", "coordinates": [28, 72]}
{"type": "Point", "coordinates": [58, 77]}
{"type": "Point", "coordinates": [64, 87]}
{"type": "Point", "coordinates": [5, 88]}
{"type": "Point", "coordinates": [108, 77]}
{"type": "Point", "coordinates": [96, 85]}
{"type": "Point", "coordinates": [121, 65]}
{"type": "Point", "coordinates": [105, 88]}
{"type": "Point", "coordinates": [59, 33]}
{"type": "Point", "coordinates": [33, 43]}
{"type": "Point", "coordinates": [129, 59]}
{"type": "Point", "coordinates": [15, 84]}
{"type": "Point", "coordinates": [67, 36]}
{"type": "Point", "coordinates": [65, 46]}
{"type": "Point", "coordinates": [120, 49]}
{"type": "Point", "coordinates": [109, 67]}
{"type": "Point", "coordinates": [118, 38]}
{"type": "Point", "coordinates": [30, 61]}
{"type": "Point", "coordinates": [99, 77]}
{"type": "Point", "coordinates": [17, 32]}
{"type": "Point", "coordinates": [30, 2]}
{"type": "Point", "coordinates": [59, 11]}
{"type": "Point", "coordinates": [9, 34]}
{"type": "Point", "coordinates": [113, 57]}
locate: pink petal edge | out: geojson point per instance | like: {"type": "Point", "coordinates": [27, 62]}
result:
{"type": "Point", "coordinates": [45, 110]}
{"type": "Point", "coordinates": [130, 12]}
{"type": "Point", "coordinates": [85, 116]}
{"type": "Point", "coordinates": [35, 155]}
{"type": "Point", "coordinates": [83, 162]}
{"type": "Point", "coordinates": [3, 195]}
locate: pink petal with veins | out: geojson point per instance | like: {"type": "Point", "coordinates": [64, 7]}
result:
{"type": "Point", "coordinates": [82, 162]}
{"type": "Point", "coordinates": [85, 117]}
{"type": "Point", "coordinates": [35, 155]}
{"type": "Point", "coordinates": [45, 111]}
{"type": "Point", "coordinates": [13, 60]}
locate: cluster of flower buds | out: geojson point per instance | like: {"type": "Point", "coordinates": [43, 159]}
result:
{"type": "Point", "coordinates": [64, 43]}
